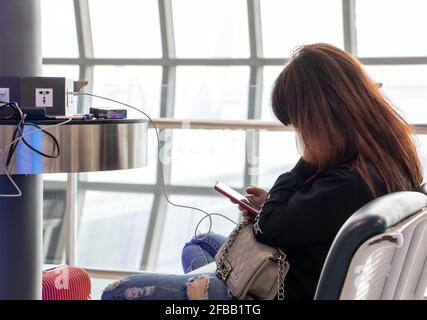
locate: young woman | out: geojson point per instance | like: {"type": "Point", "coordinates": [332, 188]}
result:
{"type": "Point", "coordinates": [355, 147]}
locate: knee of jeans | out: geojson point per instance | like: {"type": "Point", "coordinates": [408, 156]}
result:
{"type": "Point", "coordinates": [197, 239]}
{"type": "Point", "coordinates": [197, 289]}
{"type": "Point", "coordinates": [187, 257]}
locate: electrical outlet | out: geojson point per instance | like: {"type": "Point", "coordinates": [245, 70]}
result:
{"type": "Point", "coordinates": [44, 97]}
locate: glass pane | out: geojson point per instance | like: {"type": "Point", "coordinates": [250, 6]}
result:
{"type": "Point", "coordinates": [54, 201]}
{"type": "Point", "coordinates": [112, 229]}
{"type": "Point", "coordinates": [97, 287]}
{"type": "Point", "coordinates": [145, 175]}
{"type": "Point", "coordinates": [67, 71]}
{"type": "Point", "coordinates": [59, 35]}
{"type": "Point", "coordinates": [202, 157]}
{"type": "Point", "coordinates": [421, 140]}
{"type": "Point", "coordinates": [55, 177]}
{"type": "Point", "coordinates": [277, 154]}
{"type": "Point", "coordinates": [391, 28]}
{"type": "Point", "coordinates": [125, 29]}
{"type": "Point", "coordinates": [211, 92]}
{"type": "Point", "coordinates": [288, 23]}
{"type": "Point", "coordinates": [138, 86]}
{"type": "Point", "coordinates": [406, 87]}
{"type": "Point", "coordinates": [269, 76]}
{"type": "Point", "coordinates": [173, 238]}
{"type": "Point", "coordinates": [205, 28]}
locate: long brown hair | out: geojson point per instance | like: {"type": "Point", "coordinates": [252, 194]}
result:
{"type": "Point", "coordinates": [340, 114]}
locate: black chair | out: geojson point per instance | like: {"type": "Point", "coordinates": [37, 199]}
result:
{"type": "Point", "coordinates": [380, 252]}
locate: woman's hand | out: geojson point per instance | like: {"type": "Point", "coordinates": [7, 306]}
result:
{"type": "Point", "coordinates": [256, 197]}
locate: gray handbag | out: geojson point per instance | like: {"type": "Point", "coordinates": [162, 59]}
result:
{"type": "Point", "coordinates": [250, 269]}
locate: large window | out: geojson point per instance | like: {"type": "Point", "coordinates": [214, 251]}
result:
{"type": "Point", "coordinates": [211, 92]}
{"type": "Point", "coordinates": [391, 28]}
{"type": "Point", "coordinates": [207, 29]}
{"type": "Point", "coordinates": [210, 60]}
{"type": "Point", "coordinates": [113, 24]}
{"type": "Point", "coordinates": [289, 23]}
{"type": "Point", "coordinates": [59, 37]}
{"type": "Point", "coordinates": [406, 87]}
{"type": "Point", "coordinates": [137, 85]}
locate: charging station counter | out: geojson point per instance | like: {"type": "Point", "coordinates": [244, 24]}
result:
{"type": "Point", "coordinates": [85, 146]}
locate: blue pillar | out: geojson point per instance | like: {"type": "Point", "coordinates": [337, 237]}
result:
{"type": "Point", "coordinates": [21, 219]}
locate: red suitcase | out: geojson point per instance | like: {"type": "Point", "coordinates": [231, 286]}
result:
{"type": "Point", "coordinates": [65, 283]}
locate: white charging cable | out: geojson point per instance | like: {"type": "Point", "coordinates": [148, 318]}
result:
{"type": "Point", "coordinates": [207, 214]}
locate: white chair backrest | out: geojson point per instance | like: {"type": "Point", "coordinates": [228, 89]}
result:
{"type": "Point", "coordinates": [391, 265]}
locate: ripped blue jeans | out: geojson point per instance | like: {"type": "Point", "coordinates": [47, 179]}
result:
{"type": "Point", "coordinates": [195, 286]}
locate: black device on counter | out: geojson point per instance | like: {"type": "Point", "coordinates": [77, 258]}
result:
{"type": "Point", "coordinates": [108, 113]}
{"type": "Point", "coordinates": [34, 113]}
{"type": "Point", "coordinates": [11, 112]}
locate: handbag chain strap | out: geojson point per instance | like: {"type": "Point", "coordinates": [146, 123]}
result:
{"type": "Point", "coordinates": [281, 267]}
{"type": "Point", "coordinates": [224, 269]}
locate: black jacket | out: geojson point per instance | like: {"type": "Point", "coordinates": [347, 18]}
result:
{"type": "Point", "coordinates": [304, 218]}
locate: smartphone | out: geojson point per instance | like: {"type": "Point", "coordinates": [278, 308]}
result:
{"type": "Point", "coordinates": [235, 196]}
